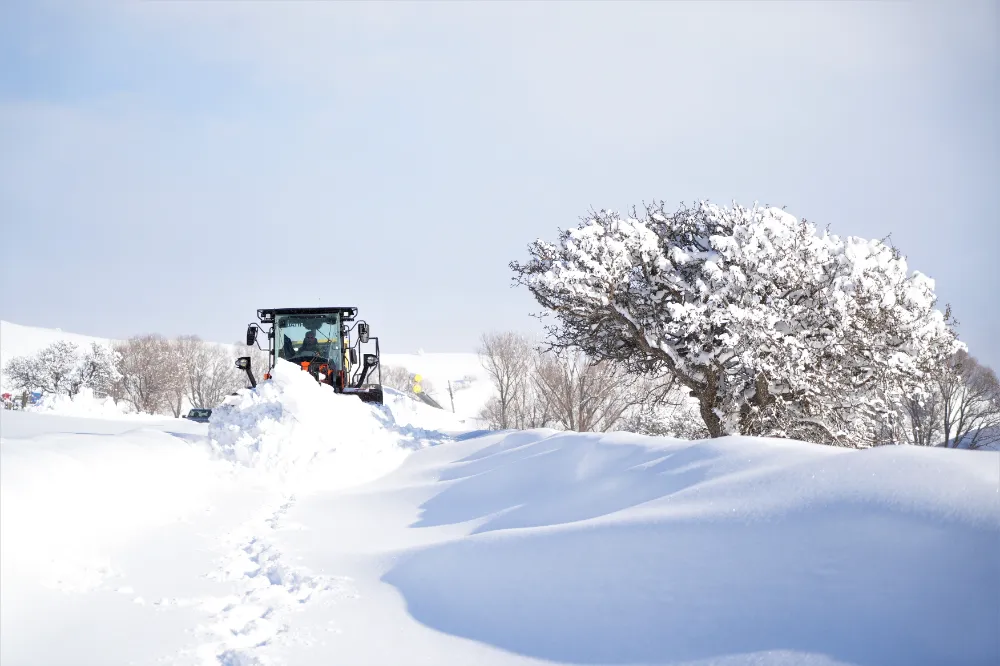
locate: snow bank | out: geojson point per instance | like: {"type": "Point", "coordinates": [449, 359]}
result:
{"type": "Point", "coordinates": [86, 405]}
{"type": "Point", "coordinates": [305, 433]}
{"type": "Point", "coordinates": [589, 548]}
{"type": "Point", "coordinates": [68, 500]}
{"type": "Point", "coordinates": [152, 544]}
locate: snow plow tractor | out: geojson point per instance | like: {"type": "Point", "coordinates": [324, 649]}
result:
{"type": "Point", "coordinates": [318, 340]}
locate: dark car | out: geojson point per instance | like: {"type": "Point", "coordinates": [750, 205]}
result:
{"type": "Point", "coordinates": [199, 415]}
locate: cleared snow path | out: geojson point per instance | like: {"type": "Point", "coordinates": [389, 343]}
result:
{"type": "Point", "coordinates": [269, 590]}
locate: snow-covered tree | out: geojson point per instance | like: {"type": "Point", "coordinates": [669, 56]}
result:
{"type": "Point", "coordinates": [24, 373]}
{"type": "Point", "coordinates": [51, 370]}
{"type": "Point", "coordinates": [774, 328]}
{"type": "Point", "coordinates": [97, 370]}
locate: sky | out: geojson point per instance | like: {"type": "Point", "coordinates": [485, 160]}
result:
{"type": "Point", "coordinates": [171, 166]}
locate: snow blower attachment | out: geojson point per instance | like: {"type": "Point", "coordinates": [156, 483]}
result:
{"type": "Point", "coordinates": [318, 340]}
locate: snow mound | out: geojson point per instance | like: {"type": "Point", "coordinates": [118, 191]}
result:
{"type": "Point", "coordinates": [86, 405]}
{"type": "Point", "coordinates": [297, 428]}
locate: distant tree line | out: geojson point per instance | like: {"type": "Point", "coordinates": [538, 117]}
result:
{"type": "Point", "coordinates": [150, 373]}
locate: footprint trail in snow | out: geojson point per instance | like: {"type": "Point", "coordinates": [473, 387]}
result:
{"type": "Point", "coordinates": [269, 591]}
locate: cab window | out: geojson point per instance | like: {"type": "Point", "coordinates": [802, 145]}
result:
{"type": "Point", "coordinates": [307, 337]}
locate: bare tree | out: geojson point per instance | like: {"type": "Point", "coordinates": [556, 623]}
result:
{"type": "Point", "coordinates": [208, 370]}
{"type": "Point", "coordinates": [507, 357]}
{"type": "Point", "coordinates": [149, 372]}
{"type": "Point", "coordinates": [531, 409]}
{"type": "Point", "coordinates": [586, 395]}
{"type": "Point", "coordinates": [174, 375]}
{"type": "Point", "coordinates": [921, 422]}
{"type": "Point", "coordinates": [221, 375]}
{"type": "Point", "coordinates": [970, 403]}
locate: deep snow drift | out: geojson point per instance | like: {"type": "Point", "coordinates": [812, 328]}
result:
{"type": "Point", "coordinates": [298, 428]}
{"type": "Point", "coordinates": [303, 527]}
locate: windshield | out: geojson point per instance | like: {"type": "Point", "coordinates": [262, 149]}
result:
{"type": "Point", "coordinates": [198, 413]}
{"type": "Point", "coordinates": [300, 338]}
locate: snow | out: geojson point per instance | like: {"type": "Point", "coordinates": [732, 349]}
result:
{"type": "Point", "coordinates": [85, 405]}
{"type": "Point", "coordinates": [297, 427]}
{"type": "Point", "coordinates": [436, 368]}
{"type": "Point", "coordinates": [304, 527]}
{"type": "Point", "coordinates": [439, 368]}
{"type": "Point", "coordinates": [168, 541]}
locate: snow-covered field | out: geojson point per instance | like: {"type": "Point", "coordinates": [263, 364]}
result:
{"type": "Point", "coordinates": [302, 527]}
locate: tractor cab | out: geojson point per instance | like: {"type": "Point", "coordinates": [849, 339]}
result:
{"type": "Point", "coordinates": [309, 337]}
{"type": "Point", "coordinates": [319, 341]}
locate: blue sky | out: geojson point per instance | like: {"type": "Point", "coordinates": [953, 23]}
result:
{"type": "Point", "coordinates": [172, 166]}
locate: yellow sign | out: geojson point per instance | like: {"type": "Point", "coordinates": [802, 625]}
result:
{"type": "Point", "coordinates": [418, 378]}
{"type": "Point", "coordinates": [417, 389]}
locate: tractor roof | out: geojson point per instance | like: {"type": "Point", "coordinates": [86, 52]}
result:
{"type": "Point", "coordinates": [347, 313]}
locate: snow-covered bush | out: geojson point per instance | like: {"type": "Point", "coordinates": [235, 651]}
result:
{"type": "Point", "coordinates": [775, 329]}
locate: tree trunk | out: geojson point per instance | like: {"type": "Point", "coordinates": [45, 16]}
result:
{"type": "Point", "coordinates": [706, 406]}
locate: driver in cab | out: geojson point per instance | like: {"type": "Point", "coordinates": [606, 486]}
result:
{"type": "Point", "coordinates": [309, 344]}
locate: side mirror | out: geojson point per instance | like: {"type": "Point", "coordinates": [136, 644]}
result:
{"type": "Point", "coordinates": [251, 335]}
{"type": "Point", "coordinates": [353, 353]}
{"type": "Point", "coordinates": [362, 333]}
{"type": "Point", "coordinates": [243, 362]}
